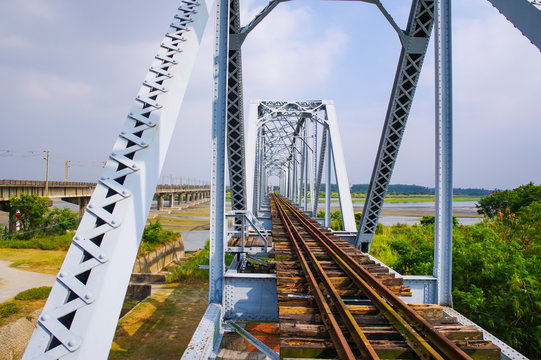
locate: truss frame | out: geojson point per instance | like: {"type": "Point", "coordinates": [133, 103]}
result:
{"type": "Point", "coordinates": [414, 44]}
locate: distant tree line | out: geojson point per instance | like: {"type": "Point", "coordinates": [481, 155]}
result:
{"type": "Point", "coordinates": [403, 189]}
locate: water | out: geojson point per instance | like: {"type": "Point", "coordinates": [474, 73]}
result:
{"type": "Point", "coordinates": [195, 239]}
{"type": "Point", "coordinates": [411, 212]}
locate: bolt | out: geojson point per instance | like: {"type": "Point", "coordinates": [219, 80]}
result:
{"type": "Point", "coordinates": [76, 237]}
{"type": "Point", "coordinates": [113, 154]}
{"type": "Point", "coordinates": [113, 222]}
{"type": "Point", "coordinates": [143, 143]}
{"type": "Point", "coordinates": [88, 296]}
{"type": "Point", "coordinates": [134, 166]}
{"type": "Point", "coordinates": [90, 206]}
{"type": "Point", "coordinates": [124, 192]}
{"type": "Point", "coordinates": [157, 105]}
{"type": "Point", "coordinates": [102, 257]}
{"type": "Point", "coordinates": [72, 343]}
{"type": "Point", "coordinates": [44, 317]}
{"type": "Point", "coordinates": [122, 133]}
{"type": "Point", "coordinates": [62, 274]}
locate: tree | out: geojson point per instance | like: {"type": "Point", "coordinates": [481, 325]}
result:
{"type": "Point", "coordinates": [32, 209]}
{"type": "Point", "coordinates": [509, 201]}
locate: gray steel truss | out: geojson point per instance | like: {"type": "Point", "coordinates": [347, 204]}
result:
{"type": "Point", "coordinates": [443, 228]}
{"type": "Point", "coordinates": [525, 15]}
{"type": "Point", "coordinates": [235, 116]}
{"type": "Point", "coordinates": [414, 44]}
{"type": "Point", "coordinates": [286, 136]}
{"type": "Point", "coordinates": [81, 313]}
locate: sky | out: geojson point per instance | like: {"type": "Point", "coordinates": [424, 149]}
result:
{"type": "Point", "coordinates": [72, 68]}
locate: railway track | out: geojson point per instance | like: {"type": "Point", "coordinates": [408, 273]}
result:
{"type": "Point", "coordinates": [334, 302]}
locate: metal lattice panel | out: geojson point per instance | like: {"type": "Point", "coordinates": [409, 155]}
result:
{"type": "Point", "coordinates": [235, 116]}
{"type": "Point", "coordinates": [415, 41]}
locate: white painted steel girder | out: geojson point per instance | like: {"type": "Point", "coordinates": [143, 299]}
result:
{"type": "Point", "coordinates": [81, 313]}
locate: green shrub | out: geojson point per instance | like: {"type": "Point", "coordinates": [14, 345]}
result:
{"type": "Point", "coordinates": [7, 309]}
{"type": "Point", "coordinates": [496, 271]}
{"type": "Point", "coordinates": [190, 269]}
{"type": "Point", "coordinates": [154, 236]}
{"type": "Point", "coordinates": [35, 293]}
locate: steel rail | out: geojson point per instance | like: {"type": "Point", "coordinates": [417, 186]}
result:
{"type": "Point", "coordinates": [410, 315]}
{"type": "Point", "coordinates": [340, 342]}
{"type": "Point", "coordinates": [360, 339]}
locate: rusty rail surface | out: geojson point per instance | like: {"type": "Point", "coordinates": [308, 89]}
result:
{"type": "Point", "coordinates": [403, 318]}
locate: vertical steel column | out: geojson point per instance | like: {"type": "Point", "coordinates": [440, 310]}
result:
{"type": "Point", "coordinates": [306, 160]}
{"type": "Point", "coordinates": [328, 183]}
{"type": "Point", "coordinates": [235, 113]}
{"type": "Point", "coordinates": [443, 229]}
{"type": "Point", "coordinates": [321, 166]}
{"type": "Point", "coordinates": [302, 168]}
{"type": "Point", "coordinates": [314, 195]}
{"type": "Point", "coordinates": [344, 192]}
{"type": "Point", "coordinates": [251, 153]}
{"type": "Point", "coordinates": [219, 126]}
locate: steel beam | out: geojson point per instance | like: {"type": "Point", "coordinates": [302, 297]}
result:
{"type": "Point", "coordinates": [524, 15]}
{"type": "Point", "coordinates": [81, 313]}
{"type": "Point", "coordinates": [443, 228]}
{"type": "Point", "coordinates": [344, 191]}
{"type": "Point", "coordinates": [414, 44]}
{"type": "Point", "coordinates": [235, 115]}
{"type": "Point", "coordinates": [219, 128]}
{"type": "Point", "coordinates": [320, 167]}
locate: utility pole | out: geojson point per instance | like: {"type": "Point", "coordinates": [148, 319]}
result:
{"type": "Point", "coordinates": [47, 173]}
{"type": "Point", "coordinates": [66, 172]}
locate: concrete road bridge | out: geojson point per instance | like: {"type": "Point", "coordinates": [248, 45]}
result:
{"type": "Point", "coordinates": [79, 193]}
{"type": "Point", "coordinates": [322, 287]}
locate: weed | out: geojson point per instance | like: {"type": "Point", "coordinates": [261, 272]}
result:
{"type": "Point", "coordinates": [7, 309]}
{"type": "Point", "coordinates": [35, 293]}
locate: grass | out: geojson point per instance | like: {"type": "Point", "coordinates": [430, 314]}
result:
{"type": "Point", "coordinates": [35, 293]}
{"type": "Point", "coordinates": [8, 308]}
{"type": "Point", "coordinates": [190, 269]}
{"type": "Point", "coordinates": [42, 261]}
{"type": "Point", "coordinates": [43, 242]}
{"type": "Point", "coordinates": [23, 304]}
{"type": "Point", "coordinates": [161, 326]}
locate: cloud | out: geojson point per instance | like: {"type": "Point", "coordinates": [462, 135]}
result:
{"type": "Point", "coordinates": [45, 87]}
{"type": "Point", "coordinates": [290, 53]}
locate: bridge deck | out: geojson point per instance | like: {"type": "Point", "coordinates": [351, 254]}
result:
{"type": "Point", "coordinates": [305, 266]}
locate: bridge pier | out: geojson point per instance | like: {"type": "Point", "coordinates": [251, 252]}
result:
{"type": "Point", "coordinates": [82, 201]}
{"type": "Point", "coordinates": [159, 202]}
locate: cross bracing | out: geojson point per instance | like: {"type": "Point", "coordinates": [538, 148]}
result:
{"type": "Point", "coordinates": [296, 141]}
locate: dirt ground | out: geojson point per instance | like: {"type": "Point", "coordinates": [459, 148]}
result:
{"type": "Point", "coordinates": [161, 326]}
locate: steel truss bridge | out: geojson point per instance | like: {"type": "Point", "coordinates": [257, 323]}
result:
{"type": "Point", "coordinates": [297, 142]}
